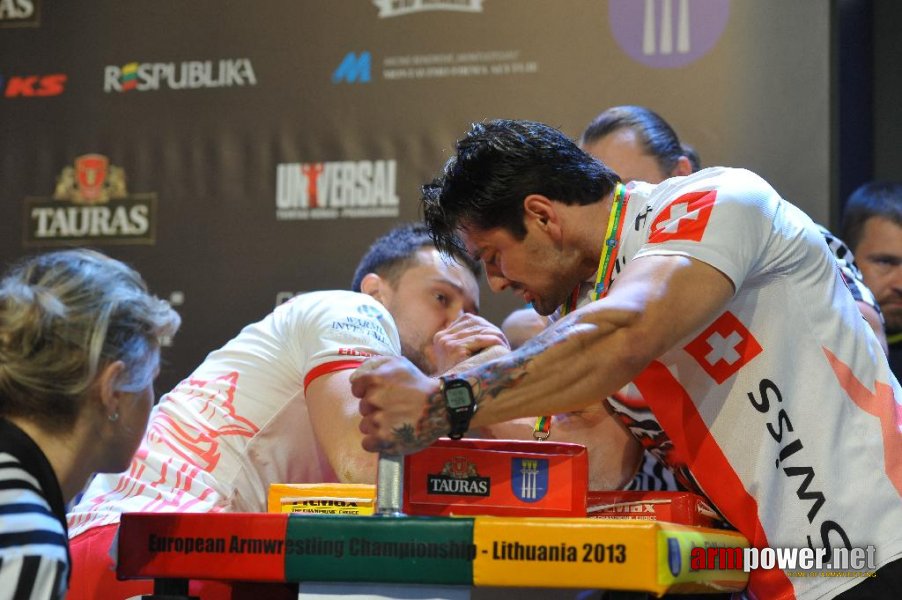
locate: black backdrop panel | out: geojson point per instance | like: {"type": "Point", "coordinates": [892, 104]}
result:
{"type": "Point", "coordinates": [270, 142]}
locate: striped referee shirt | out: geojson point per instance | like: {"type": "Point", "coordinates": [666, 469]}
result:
{"type": "Point", "coordinates": [34, 554]}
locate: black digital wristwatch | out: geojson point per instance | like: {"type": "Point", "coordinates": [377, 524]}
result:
{"type": "Point", "coordinates": [460, 404]}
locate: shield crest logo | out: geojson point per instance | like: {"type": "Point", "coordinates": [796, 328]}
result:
{"type": "Point", "coordinates": [91, 171]}
{"type": "Point", "coordinates": [529, 478]}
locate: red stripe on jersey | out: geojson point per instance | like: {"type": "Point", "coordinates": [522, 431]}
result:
{"type": "Point", "coordinates": [696, 447]}
{"type": "Point", "coordinates": [881, 404]}
{"type": "Point", "coordinates": [686, 218]}
{"type": "Point", "coordinates": [329, 367]}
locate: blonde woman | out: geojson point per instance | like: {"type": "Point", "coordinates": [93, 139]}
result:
{"type": "Point", "coordinates": [79, 350]}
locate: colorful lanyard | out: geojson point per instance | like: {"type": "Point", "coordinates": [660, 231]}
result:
{"type": "Point", "coordinates": [542, 428]}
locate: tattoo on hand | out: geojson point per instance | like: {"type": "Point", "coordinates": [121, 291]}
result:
{"type": "Point", "coordinates": [404, 435]}
{"type": "Point", "coordinates": [489, 380]}
{"type": "Point", "coordinates": [431, 425]}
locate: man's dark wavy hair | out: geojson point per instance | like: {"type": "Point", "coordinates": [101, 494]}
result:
{"type": "Point", "coordinates": [393, 253]}
{"type": "Point", "coordinates": [874, 199]}
{"type": "Point", "coordinates": [497, 165]}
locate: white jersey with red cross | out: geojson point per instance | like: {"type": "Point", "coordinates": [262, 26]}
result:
{"type": "Point", "coordinates": [782, 410]}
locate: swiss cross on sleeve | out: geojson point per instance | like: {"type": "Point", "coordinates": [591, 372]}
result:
{"type": "Point", "coordinates": [686, 218]}
{"type": "Point", "coordinates": [724, 347]}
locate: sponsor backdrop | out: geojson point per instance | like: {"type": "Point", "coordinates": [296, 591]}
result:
{"type": "Point", "coordinates": [237, 153]}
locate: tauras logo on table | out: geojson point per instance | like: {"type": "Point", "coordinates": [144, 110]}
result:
{"type": "Point", "coordinates": [459, 478]}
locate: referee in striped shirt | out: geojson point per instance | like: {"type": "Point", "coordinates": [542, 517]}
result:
{"type": "Point", "coordinates": [79, 349]}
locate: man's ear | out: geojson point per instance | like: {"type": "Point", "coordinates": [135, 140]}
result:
{"type": "Point", "coordinates": [373, 285]}
{"type": "Point", "coordinates": [683, 167]}
{"type": "Point", "coordinates": [106, 385]}
{"type": "Point", "coordinates": [540, 211]}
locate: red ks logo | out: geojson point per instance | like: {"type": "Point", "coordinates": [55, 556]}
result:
{"type": "Point", "coordinates": [30, 86]}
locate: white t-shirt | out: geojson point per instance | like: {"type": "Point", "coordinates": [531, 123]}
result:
{"type": "Point", "coordinates": [782, 410]}
{"type": "Point", "coordinates": [240, 421]}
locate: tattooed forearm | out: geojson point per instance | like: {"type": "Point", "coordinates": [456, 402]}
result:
{"type": "Point", "coordinates": [431, 425]}
{"type": "Point", "coordinates": [488, 381]}
{"type": "Point", "coordinates": [500, 375]}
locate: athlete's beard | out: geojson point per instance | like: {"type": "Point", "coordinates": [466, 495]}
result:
{"type": "Point", "coordinates": [893, 320]}
{"type": "Point", "coordinates": [544, 307]}
{"type": "Point", "coordinates": [418, 357]}
{"type": "Point", "coordinates": [545, 304]}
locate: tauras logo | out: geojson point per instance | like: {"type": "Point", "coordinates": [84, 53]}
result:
{"type": "Point", "coordinates": [458, 487]}
{"type": "Point", "coordinates": [341, 189]}
{"type": "Point", "coordinates": [458, 478]}
{"type": "Point", "coordinates": [396, 8]}
{"type": "Point", "coordinates": [20, 13]}
{"type": "Point", "coordinates": [90, 204]}
{"type": "Point", "coordinates": [188, 75]}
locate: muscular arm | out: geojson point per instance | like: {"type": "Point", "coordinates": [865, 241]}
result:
{"type": "Point", "coordinates": [614, 454]}
{"type": "Point", "coordinates": [655, 302]}
{"type": "Point", "coordinates": [333, 413]}
{"type": "Point", "coordinates": [596, 350]}
{"type": "Point", "coordinates": [334, 410]}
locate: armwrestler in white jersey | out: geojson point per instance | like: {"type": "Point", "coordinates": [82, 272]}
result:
{"type": "Point", "coordinates": [274, 403]}
{"type": "Point", "coordinates": [639, 145]}
{"type": "Point", "coordinates": [707, 299]}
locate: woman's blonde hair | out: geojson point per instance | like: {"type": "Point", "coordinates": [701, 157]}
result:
{"type": "Point", "coordinates": [65, 316]}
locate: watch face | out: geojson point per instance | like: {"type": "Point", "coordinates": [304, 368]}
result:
{"type": "Point", "coordinates": [457, 397]}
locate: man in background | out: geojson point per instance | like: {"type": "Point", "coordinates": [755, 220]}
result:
{"type": "Point", "coordinates": [872, 225]}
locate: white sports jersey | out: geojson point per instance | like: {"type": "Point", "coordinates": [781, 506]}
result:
{"type": "Point", "coordinates": [782, 410]}
{"type": "Point", "coordinates": [240, 422]}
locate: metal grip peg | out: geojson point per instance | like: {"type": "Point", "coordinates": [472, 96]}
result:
{"type": "Point", "coordinates": [390, 485]}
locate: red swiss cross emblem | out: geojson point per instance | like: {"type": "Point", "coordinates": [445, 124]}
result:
{"type": "Point", "coordinates": [724, 347]}
{"type": "Point", "coordinates": [685, 219]}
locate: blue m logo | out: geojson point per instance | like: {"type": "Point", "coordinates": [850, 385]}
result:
{"type": "Point", "coordinates": [354, 68]}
